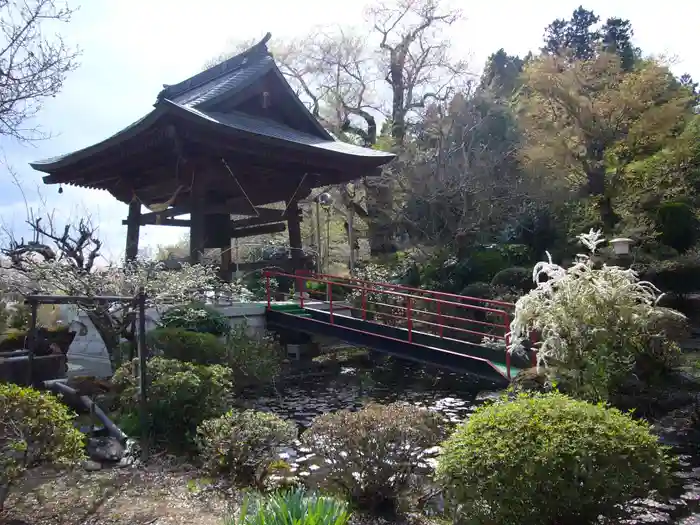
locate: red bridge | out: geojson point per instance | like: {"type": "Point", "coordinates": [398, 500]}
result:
{"type": "Point", "coordinates": [463, 334]}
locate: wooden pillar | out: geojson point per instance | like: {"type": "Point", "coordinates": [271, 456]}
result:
{"type": "Point", "coordinates": [197, 226]}
{"type": "Point", "coordinates": [225, 270]}
{"type": "Point", "coordinates": [294, 227]}
{"type": "Point", "coordinates": [133, 225]}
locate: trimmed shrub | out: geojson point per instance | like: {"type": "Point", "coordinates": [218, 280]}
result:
{"type": "Point", "coordinates": [196, 317]}
{"type": "Point", "coordinates": [195, 347]}
{"type": "Point", "coordinates": [293, 507]}
{"type": "Point", "coordinates": [478, 290]}
{"type": "Point", "coordinates": [256, 358]}
{"type": "Point", "coordinates": [678, 225]}
{"type": "Point", "coordinates": [372, 456]}
{"type": "Point", "coordinates": [35, 428]}
{"type": "Point", "coordinates": [548, 460]}
{"type": "Point", "coordinates": [181, 395]}
{"type": "Point", "coordinates": [678, 276]}
{"type": "Point", "coordinates": [243, 444]}
{"type": "Point", "coordinates": [516, 278]}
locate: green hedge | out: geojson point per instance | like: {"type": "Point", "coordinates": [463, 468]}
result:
{"type": "Point", "coordinates": [196, 317]}
{"type": "Point", "coordinates": [193, 347]}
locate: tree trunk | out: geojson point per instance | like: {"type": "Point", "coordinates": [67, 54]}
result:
{"type": "Point", "coordinates": [379, 206]}
{"type": "Point", "coordinates": [4, 493]}
{"type": "Point", "coordinates": [597, 186]}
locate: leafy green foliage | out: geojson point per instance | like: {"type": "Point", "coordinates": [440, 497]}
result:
{"type": "Point", "coordinates": [516, 278]}
{"type": "Point", "coordinates": [547, 460]}
{"type": "Point", "coordinates": [35, 428]}
{"type": "Point", "coordinates": [255, 358]}
{"type": "Point", "coordinates": [537, 227]}
{"type": "Point", "coordinates": [180, 396]}
{"type": "Point", "coordinates": [295, 507]}
{"type": "Point", "coordinates": [243, 443]}
{"type": "Point", "coordinates": [677, 225]}
{"type": "Point", "coordinates": [611, 114]}
{"type": "Point", "coordinates": [195, 347]}
{"type": "Point", "coordinates": [372, 455]}
{"type": "Point", "coordinates": [595, 323]}
{"type": "Point", "coordinates": [196, 317]}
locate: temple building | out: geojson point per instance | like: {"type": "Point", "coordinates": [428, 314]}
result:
{"type": "Point", "coordinates": [226, 141]}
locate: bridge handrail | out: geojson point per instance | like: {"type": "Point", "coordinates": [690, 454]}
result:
{"type": "Point", "coordinates": [371, 287]}
{"type": "Point", "coordinates": [413, 289]}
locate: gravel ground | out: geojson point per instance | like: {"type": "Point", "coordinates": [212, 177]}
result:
{"type": "Point", "coordinates": [163, 493]}
{"type": "Point", "coordinates": [159, 494]}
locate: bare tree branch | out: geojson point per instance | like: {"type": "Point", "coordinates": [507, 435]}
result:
{"type": "Point", "coordinates": [32, 66]}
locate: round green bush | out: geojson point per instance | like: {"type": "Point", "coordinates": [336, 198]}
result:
{"type": "Point", "coordinates": [516, 278]}
{"type": "Point", "coordinates": [35, 428]}
{"type": "Point", "coordinates": [196, 317]}
{"type": "Point", "coordinates": [195, 347]}
{"type": "Point", "coordinates": [243, 443]}
{"type": "Point", "coordinates": [546, 459]}
{"type": "Point", "coordinates": [478, 290]}
{"type": "Point", "coordinates": [180, 396]}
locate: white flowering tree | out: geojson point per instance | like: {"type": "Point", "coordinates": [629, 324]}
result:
{"type": "Point", "coordinates": [594, 322]}
{"type": "Point", "coordinates": [66, 263]}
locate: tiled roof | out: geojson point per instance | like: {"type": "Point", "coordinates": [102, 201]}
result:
{"type": "Point", "coordinates": [232, 81]}
{"type": "Point", "coordinates": [230, 75]}
{"type": "Point", "coordinates": [274, 130]}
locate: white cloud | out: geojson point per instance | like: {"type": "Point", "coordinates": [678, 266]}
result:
{"type": "Point", "coordinates": [133, 47]}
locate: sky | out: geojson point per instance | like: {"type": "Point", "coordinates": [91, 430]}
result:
{"type": "Point", "coordinates": [131, 48]}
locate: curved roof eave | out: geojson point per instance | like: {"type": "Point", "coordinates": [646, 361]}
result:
{"type": "Point", "coordinates": [132, 130]}
{"type": "Point", "coordinates": [165, 106]}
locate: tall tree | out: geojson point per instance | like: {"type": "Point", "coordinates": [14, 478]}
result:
{"type": "Point", "coordinates": [581, 38]}
{"type": "Point", "coordinates": [584, 120]}
{"type": "Point", "coordinates": [501, 74]}
{"type": "Point", "coordinates": [463, 181]}
{"type": "Point", "coordinates": [33, 65]}
{"type": "Point", "coordinates": [392, 69]}
{"type": "Point", "coordinates": [576, 35]}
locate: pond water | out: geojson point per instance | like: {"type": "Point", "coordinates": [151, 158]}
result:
{"type": "Point", "coordinates": [357, 384]}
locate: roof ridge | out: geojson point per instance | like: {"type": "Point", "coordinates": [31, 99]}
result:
{"type": "Point", "coordinates": [217, 70]}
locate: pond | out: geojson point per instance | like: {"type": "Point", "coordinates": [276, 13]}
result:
{"type": "Point", "coordinates": [358, 382]}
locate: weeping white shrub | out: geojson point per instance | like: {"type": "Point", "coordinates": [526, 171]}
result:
{"type": "Point", "coordinates": [594, 323]}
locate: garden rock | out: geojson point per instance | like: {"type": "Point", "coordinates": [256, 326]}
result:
{"type": "Point", "coordinates": [91, 466]}
{"type": "Point", "coordinates": [105, 449]}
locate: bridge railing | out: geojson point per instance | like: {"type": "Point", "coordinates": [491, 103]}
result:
{"type": "Point", "coordinates": [448, 316]}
